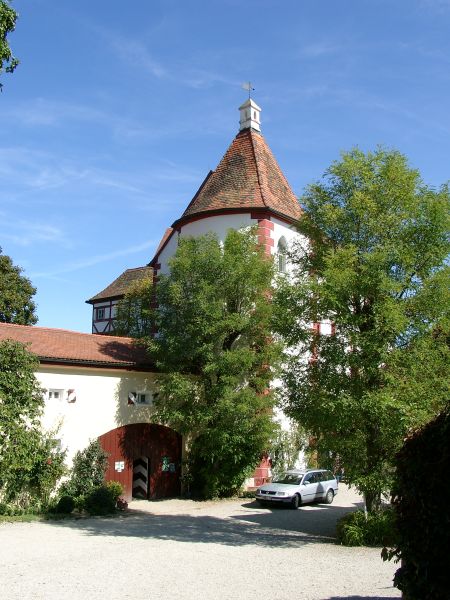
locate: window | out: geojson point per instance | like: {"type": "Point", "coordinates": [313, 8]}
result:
{"type": "Point", "coordinates": [55, 394]}
{"type": "Point", "coordinates": [143, 398]}
{"type": "Point", "coordinates": [140, 398]}
{"type": "Point", "coordinates": [99, 314]}
{"type": "Point", "coordinates": [281, 254]}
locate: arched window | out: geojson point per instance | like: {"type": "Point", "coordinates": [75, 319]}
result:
{"type": "Point", "coordinates": [282, 255]}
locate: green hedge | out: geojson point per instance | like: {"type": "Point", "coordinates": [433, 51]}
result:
{"type": "Point", "coordinates": [421, 497]}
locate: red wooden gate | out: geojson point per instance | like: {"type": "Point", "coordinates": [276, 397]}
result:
{"type": "Point", "coordinates": [160, 445]}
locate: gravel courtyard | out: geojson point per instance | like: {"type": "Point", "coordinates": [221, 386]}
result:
{"type": "Point", "coordinates": [189, 550]}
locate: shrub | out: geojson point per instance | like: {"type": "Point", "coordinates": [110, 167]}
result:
{"type": "Point", "coordinates": [100, 501]}
{"type": "Point", "coordinates": [377, 529]}
{"type": "Point", "coordinates": [12, 510]}
{"type": "Point", "coordinates": [80, 502]}
{"type": "Point", "coordinates": [88, 470]}
{"type": "Point", "coordinates": [115, 488]}
{"type": "Point", "coordinates": [420, 497]}
{"type": "Point", "coordinates": [66, 504]}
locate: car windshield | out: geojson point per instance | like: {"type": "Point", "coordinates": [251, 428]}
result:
{"type": "Point", "coordinates": [292, 478]}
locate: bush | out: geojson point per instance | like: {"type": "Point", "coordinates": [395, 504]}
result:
{"type": "Point", "coordinates": [66, 504]}
{"type": "Point", "coordinates": [13, 510]}
{"type": "Point", "coordinates": [377, 529]}
{"type": "Point", "coordinates": [80, 502]}
{"type": "Point", "coordinates": [421, 500]}
{"type": "Point", "coordinates": [100, 501]}
{"type": "Point", "coordinates": [115, 488]}
{"type": "Point", "coordinates": [88, 470]}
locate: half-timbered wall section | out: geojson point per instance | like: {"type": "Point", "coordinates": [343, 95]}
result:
{"type": "Point", "coordinates": [104, 303]}
{"type": "Point", "coordinates": [103, 314]}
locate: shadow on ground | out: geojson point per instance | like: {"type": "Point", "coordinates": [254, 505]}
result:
{"type": "Point", "coordinates": [363, 598]}
{"type": "Point", "coordinates": [278, 527]}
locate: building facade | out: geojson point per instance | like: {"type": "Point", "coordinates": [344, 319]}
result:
{"type": "Point", "coordinates": [100, 386]}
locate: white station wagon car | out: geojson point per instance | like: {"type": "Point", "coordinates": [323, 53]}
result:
{"type": "Point", "coordinates": [299, 487]}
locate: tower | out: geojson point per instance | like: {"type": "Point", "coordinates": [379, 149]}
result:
{"type": "Point", "coordinates": [247, 188]}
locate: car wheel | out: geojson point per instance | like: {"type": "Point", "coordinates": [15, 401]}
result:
{"type": "Point", "coordinates": [329, 497]}
{"type": "Point", "coordinates": [295, 502]}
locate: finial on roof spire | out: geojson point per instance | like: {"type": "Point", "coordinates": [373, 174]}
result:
{"type": "Point", "coordinates": [250, 116]}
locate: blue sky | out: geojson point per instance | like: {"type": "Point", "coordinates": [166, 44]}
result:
{"type": "Point", "coordinates": [118, 110]}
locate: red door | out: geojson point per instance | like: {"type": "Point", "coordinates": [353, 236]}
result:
{"type": "Point", "coordinates": [156, 446]}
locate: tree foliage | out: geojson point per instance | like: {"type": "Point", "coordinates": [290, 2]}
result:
{"type": "Point", "coordinates": [420, 495]}
{"type": "Point", "coordinates": [214, 346]}
{"type": "Point", "coordinates": [285, 447]}
{"type": "Point", "coordinates": [375, 268]}
{"type": "Point", "coordinates": [30, 460]}
{"type": "Point", "coordinates": [16, 293]}
{"type": "Point", "coordinates": [134, 312]}
{"type": "Point", "coordinates": [8, 17]}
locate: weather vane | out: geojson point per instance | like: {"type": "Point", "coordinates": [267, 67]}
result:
{"type": "Point", "coordinates": [248, 86]}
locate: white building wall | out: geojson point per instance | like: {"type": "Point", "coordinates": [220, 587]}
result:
{"type": "Point", "coordinates": [282, 229]}
{"type": "Point", "coordinates": [220, 224]}
{"type": "Point", "coordinates": [168, 251]}
{"type": "Point", "coordinates": [101, 402]}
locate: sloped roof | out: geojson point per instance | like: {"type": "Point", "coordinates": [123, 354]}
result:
{"type": "Point", "coordinates": [119, 286]}
{"type": "Point", "coordinates": [71, 347]}
{"type": "Point", "coordinates": [247, 177]}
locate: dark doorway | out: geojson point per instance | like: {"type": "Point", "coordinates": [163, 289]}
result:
{"type": "Point", "coordinates": [140, 477]}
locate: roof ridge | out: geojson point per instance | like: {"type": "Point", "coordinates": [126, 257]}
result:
{"type": "Point", "coordinates": [59, 330]}
{"type": "Point", "coordinates": [136, 268]}
{"type": "Point", "coordinates": [211, 171]}
{"type": "Point", "coordinates": [257, 169]}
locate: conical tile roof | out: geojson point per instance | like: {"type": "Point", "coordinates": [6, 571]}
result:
{"type": "Point", "coordinates": [247, 177]}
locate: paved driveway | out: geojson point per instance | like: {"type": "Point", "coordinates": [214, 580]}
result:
{"type": "Point", "coordinates": [188, 550]}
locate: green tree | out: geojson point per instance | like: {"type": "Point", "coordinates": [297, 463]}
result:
{"type": "Point", "coordinates": [16, 293]}
{"type": "Point", "coordinates": [214, 347]}
{"type": "Point", "coordinates": [134, 312]}
{"type": "Point", "coordinates": [375, 268]}
{"type": "Point", "coordinates": [30, 461]}
{"type": "Point", "coordinates": [8, 17]}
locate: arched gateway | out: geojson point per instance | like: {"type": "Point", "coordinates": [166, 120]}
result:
{"type": "Point", "coordinates": [145, 459]}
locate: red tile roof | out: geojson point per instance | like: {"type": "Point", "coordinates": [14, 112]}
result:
{"type": "Point", "coordinates": [119, 286]}
{"type": "Point", "coordinates": [71, 347]}
{"type": "Point", "coordinates": [247, 177]}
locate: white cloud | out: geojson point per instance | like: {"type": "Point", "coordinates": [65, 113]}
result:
{"type": "Point", "coordinates": [94, 260]}
{"type": "Point", "coordinates": [25, 233]}
{"type": "Point", "coordinates": [44, 112]}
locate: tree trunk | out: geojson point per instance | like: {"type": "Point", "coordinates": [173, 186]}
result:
{"type": "Point", "coordinates": [372, 500]}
